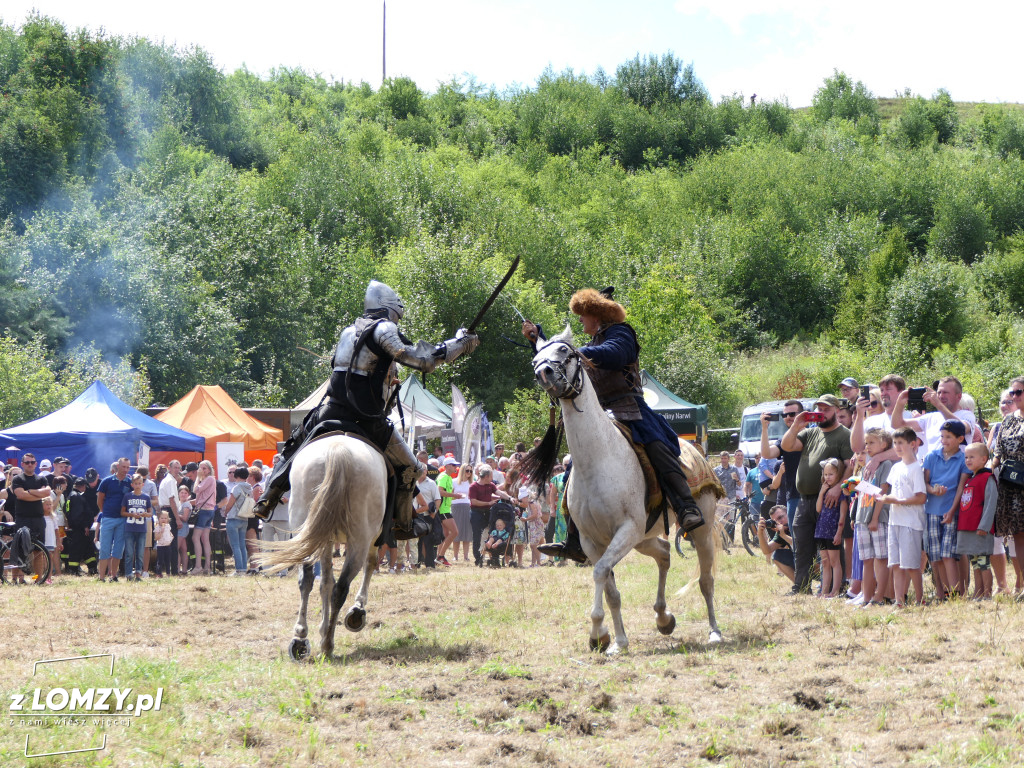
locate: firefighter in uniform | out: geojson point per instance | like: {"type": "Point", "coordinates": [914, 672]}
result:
{"type": "Point", "coordinates": [614, 353]}
{"type": "Point", "coordinates": [79, 519]}
{"type": "Point", "coordinates": [357, 394]}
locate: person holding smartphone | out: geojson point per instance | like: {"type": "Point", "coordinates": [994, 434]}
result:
{"type": "Point", "coordinates": [828, 440]}
{"type": "Point", "coordinates": [946, 401]}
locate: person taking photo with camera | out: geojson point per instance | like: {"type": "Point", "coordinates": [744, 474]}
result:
{"type": "Point", "coordinates": [779, 547]}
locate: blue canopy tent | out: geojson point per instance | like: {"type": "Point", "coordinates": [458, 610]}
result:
{"type": "Point", "coordinates": [95, 429]}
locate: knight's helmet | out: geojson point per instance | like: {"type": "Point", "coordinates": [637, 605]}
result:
{"type": "Point", "coordinates": [380, 297]}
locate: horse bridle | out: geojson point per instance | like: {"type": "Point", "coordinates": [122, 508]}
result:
{"type": "Point", "coordinates": [574, 388]}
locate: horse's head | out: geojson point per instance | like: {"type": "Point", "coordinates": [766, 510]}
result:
{"type": "Point", "coordinates": [558, 367]}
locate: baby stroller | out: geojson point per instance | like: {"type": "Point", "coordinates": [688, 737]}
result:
{"type": "Point", "coordinates": [501, 510]}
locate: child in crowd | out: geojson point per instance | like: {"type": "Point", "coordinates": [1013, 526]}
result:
{"type": "Point", "coordinates": [184, 512]}
{"type": "Point", "coordinates": [944, 475]}
{"type": "Point", "coordinates": [59, 494]}
{"type": "Point", "coordinates": [498, 542]}
{"type": "Point", "coordinates": [828, 532]}
{"type": "Point", "coordinates": [906, 516]}
{"type": "Point", "coordinates": [165, 548]}
{"type": "Point", "coordinates": [976, 519]}
{"type": "Point", "coordinates": [872, 524]}
{"type": "Point", "coordinates": [137, 506]}
{"type": "Point", "coordinates": [50, 537]}
{"type": "Point", "coordinates": [521, 536]}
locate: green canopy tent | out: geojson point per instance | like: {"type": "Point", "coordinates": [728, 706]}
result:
{"type": "Point", "coordinates": [432, 413]}
{"type": "Point", "coordinates": [688, 420]}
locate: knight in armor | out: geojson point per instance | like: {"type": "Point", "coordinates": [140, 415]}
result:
{"type": "Point", "coordinates": [614, 352]}
{"type": "Point", "coordinates": [357, 394]}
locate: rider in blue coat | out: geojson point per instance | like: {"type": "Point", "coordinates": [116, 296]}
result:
{"type": "Point", "coordinates": [614, 351]}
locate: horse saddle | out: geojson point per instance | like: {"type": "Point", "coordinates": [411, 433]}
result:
{"type": "Point", "coordinates": [331, 428]}
{"type": "Point", "coordinates": [654, 499]}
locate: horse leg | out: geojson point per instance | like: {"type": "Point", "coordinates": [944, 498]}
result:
{"type": "Point", "coordinates": [704, 541]}
{"type": "Point", "coordinates": [614, 600]}
{"type": "Point", "coordinates": [327, 587]}
{"type": "Point", "coordinates": [341, 589]}
{"type": "Point", "coordinates": [661, 551]}
{"type": "Point", "coordinates": [622, 542]}
{"type": "Point", "coordinates": [298, 648]}
{"type": "Point", "coordinates": [355, 619]}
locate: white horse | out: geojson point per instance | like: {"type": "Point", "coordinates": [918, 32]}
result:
{"type": "Point", "coordinates": [605, 496]}
{"type": "Point", "coordinates": [339, 489]}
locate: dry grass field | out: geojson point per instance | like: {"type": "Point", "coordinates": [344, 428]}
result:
{"type": "Point", "coordinates": [478, 667]}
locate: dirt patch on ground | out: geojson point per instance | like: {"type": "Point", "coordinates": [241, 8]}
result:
{"type": "Point", "coordinates": [471, 667]}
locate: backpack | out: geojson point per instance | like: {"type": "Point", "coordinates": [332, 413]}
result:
{"type": "Point", "coordinates": [245, 510]}
{"type": "Point", "coordinates": [21, 549]}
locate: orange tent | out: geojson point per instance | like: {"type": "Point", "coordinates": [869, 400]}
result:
{"type": "Point", "coordinates": [211, 413]}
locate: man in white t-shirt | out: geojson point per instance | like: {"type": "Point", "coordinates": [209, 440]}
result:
{"type": "Point", "coordinates": [890, 387]}
{"type": "Point", "coordinates": [167, 501]}
{"type": "Point", "coordinates": [946, 401]}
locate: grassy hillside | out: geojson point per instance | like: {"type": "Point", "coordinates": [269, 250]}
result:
{"type": "Point", "coordinates": [185, 225]}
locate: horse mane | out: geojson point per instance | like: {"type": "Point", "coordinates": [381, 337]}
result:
{"type": "Point", "coordinates": [539, 463]}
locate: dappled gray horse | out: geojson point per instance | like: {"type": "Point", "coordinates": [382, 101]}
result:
{"type": "Point", "coordinates": [605, 496]}
{"type": "Point", "coordinates": [338, 493]}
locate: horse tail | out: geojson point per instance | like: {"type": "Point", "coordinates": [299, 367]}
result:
{"type": "Point", "coordinates": [323, 523]}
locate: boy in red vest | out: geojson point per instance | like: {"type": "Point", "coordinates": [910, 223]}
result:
{"type": "Point", "coordinates": [976, 518]}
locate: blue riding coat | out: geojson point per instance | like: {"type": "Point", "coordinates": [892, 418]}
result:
{"type": "Point", "coordinates": [617, 352]}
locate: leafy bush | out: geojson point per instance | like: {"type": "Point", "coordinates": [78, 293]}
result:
{"type": "Point", "coordinates": [842, 99]}
{"type": "Point", "coordinates": [927, 303]}
{"type": "Point", "coordinates": [658, 80]}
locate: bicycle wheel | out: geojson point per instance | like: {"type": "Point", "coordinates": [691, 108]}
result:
{"type": "Point", "coordinates": [750, 542]}
{"type": "Point", "coordinates": [41, 559]}
{"type": "Point", "coordinates": [679, 542]}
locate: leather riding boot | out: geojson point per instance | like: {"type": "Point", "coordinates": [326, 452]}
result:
{"type": "Point", "coordinates": [673, 484]}
{"type": "Point", "coordinates": [279, 482]}
{"type": "Point", "coordinates": [688, 514]}
{"type": "Point", "coordinates": [405, 525]}
{"type": "Point", "coordinates": [271, 497]}
{"type": "Point", "coordinates": [570, 549]}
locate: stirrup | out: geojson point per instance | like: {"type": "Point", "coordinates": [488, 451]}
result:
{"type": "Point", "coordinates": [690, 519]}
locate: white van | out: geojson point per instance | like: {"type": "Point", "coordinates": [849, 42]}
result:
{"type": "Point", "coordinates": [750, 425]}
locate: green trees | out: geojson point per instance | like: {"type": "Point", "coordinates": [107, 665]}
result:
{"type": "Point", "coordinates": [839, 98]}
{"type": "Point", "coordinates": [194, 226]}
{"type": "Point", "coordinates": [655, 80]}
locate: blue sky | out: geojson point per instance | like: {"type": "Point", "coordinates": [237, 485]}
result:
{"type": "Point", "coordinates": [775, 48]}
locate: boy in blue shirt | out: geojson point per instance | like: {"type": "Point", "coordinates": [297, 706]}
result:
{"type": "Point", "coordinates": [136, 509]}
{"type": "Point", "coordinates": [945, 472]}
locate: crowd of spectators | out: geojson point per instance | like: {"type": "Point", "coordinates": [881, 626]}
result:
{"type": "Point", "coordinates": [484, 515]}
{"type": "Point", "coordinates": [872, 489]}
{"type": "Point", "coordinates": [883, 484]}
{"type": "Point", "coordinates": [125, 525]}
{"type": "Point", "coordinates": [121, 524]}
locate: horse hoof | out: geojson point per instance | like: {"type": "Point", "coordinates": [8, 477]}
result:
{"type": "Point", "coordinates": [355, 619]}
{"type": "Point", "coordinates": [614, 650]}
{"type": "Point", "coordinates": [669, 626]}
{"type": "Point", "coordinates": [714, 638]}
{"type": "Point", "coordinates": [602, 644]}
{"type": "Point", "coordinates": [298, 649]}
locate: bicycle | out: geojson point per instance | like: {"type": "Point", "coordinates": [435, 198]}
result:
{"type": "Point", "coordinates": [727, 527]}
{"type": "Point", "coordinates": [39, 555]}
{"type": "Point", "coordinates": [748, 532]}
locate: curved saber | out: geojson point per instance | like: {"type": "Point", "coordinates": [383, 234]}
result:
{"type": "Point", "coordinates": [493, 296]}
